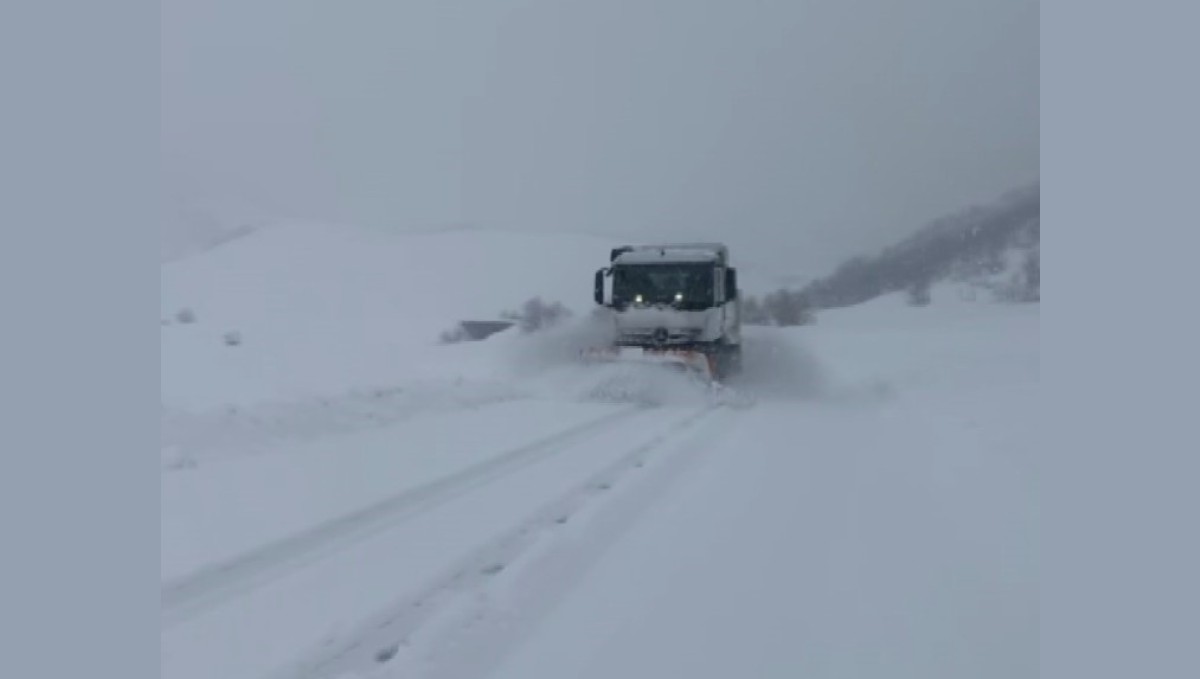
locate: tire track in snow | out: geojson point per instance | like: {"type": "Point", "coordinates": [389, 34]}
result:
{"type": "Point", "coordinates": [184, 597]}
{"type": "Point", "coordinates": [386, 639]}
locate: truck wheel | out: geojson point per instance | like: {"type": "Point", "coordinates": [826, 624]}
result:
{"type": "Point", "coordinates": [728, 360]}
{"type": "Point", "coordinates": [735, 359]}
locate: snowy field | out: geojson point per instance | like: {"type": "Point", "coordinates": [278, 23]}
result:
{"type": "Point", "coordinates": [342, 496]}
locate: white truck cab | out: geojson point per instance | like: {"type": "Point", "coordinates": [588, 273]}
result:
{"type": "Point", "coordinates": [678, 296]}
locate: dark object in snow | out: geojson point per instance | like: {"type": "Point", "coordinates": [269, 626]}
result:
{"type": "Point", "coordinates": [493, 569]}
{"type": "Point", "coordinates": [386, 654]}
{"type": "Point", "coordinates": [474, 331]}
{"type": "Point", "coordinates": [478, 330]}
{"type": "Point", "coordinates": [233, 338]}
{"type": "Point", "coordinates": [185, 316]}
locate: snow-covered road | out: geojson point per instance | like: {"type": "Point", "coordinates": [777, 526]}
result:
{"type": "Point", "coordinates": [346, 569]}
{"type": "Point", "coordinates": [240, 573]}
{"type": "Point", "coordinates": [805, 542]}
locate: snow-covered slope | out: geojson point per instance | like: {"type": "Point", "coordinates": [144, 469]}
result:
{"type": "Point", "coordinates": [343, 496]}
{"type": "Point", "coordinates": [989, 251]}
{"type": "Point", "coordinates": [321, 310]}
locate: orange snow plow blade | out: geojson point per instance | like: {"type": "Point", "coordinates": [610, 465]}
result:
{"type": "Point", "coordinates": [684, 359]}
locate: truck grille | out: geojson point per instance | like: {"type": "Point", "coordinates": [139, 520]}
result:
{"type": "Point", "coordinates": [647, 336]}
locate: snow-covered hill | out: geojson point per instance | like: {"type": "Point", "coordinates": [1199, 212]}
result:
{"type": "Point", "coordinates": [319, 310]}
{"type": "Point", "coordinates": [987, 252]}
{"type": "Point", "coordinates": [343, 496]}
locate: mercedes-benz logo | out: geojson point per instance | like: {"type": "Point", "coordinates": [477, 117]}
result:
{"type": "Point", "coordinates": [660, 336]}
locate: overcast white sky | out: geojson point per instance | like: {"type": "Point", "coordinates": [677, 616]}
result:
{"type": "Point", "coordinates": [798, 131]}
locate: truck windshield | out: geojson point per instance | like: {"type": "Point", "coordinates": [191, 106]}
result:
{"type": "Point", "coordinates": [687, 286]}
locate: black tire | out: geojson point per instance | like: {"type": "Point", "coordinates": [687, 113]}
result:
{"type": "Point", "coordinates": [728, 360]}
{"type": "Point", "coordinates": [735, 359]}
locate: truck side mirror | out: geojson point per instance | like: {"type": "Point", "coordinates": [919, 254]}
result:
{"type": "Point", "coordinates": [598, 289]}
{"type": "Point", "coordinates": [731, 290]}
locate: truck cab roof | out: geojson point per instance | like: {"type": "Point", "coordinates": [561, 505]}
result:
{"type": "Point", "coordinates": [671, 253]}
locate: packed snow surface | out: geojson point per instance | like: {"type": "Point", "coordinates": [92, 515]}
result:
{"type": "Point", "coordinates": [343, 496]}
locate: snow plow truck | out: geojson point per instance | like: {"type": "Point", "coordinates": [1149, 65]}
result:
{"type": "Point", "coordinates": [675, 304]}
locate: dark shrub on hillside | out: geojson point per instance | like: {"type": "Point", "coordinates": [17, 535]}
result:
{"type": "Point", "coordinates": [536, 314]}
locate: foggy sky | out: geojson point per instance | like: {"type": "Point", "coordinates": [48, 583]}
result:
{"type": "Point", "coordinates": [799, 132]}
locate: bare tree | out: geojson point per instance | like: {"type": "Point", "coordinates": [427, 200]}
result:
{"type": "Point", "coordinates": [918, 293]}
{"type": "Point", "coordinates": [788, 307]}
{"type": "Point", "coordinates": [753, 312]}
{"type": "Point", "coordinates": [536, 314]}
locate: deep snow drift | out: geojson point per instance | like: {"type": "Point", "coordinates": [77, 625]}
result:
{"type": "Point", "coordinates": [342, 496]}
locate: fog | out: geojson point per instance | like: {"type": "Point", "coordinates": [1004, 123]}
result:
{"type": "Point", "coordinates": [799, 132]}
